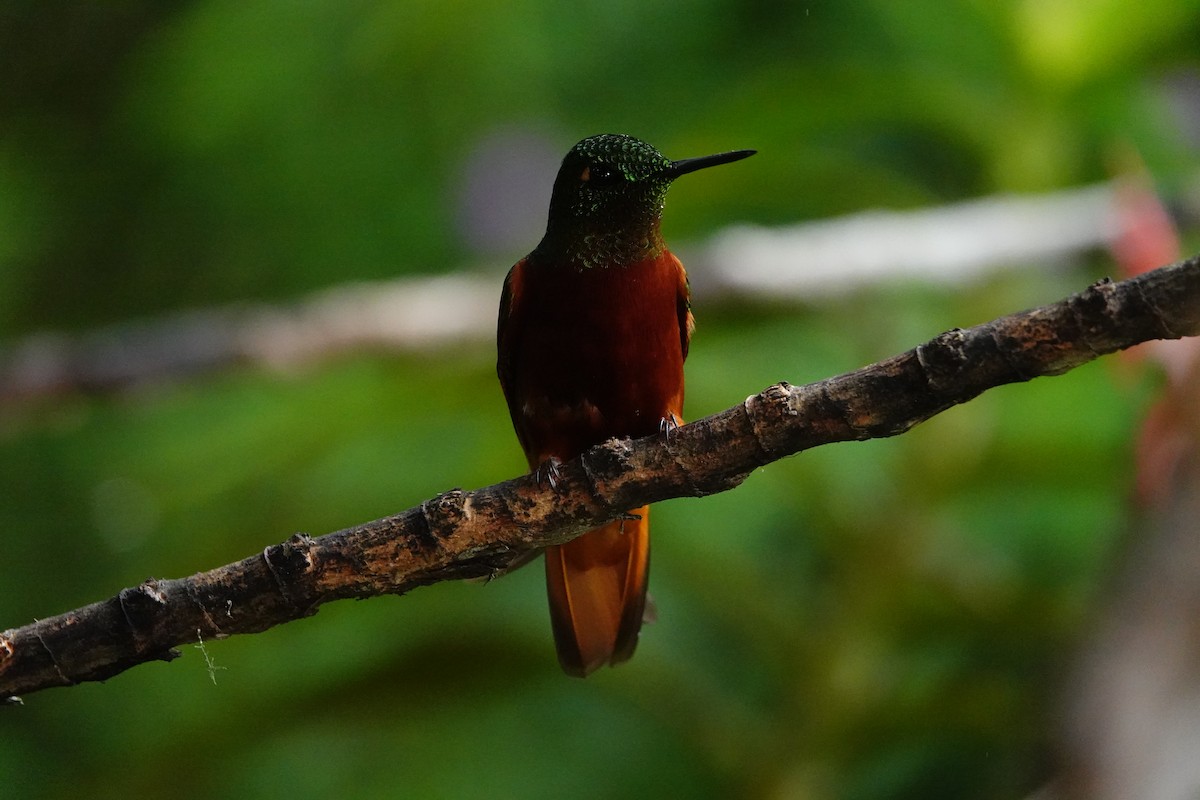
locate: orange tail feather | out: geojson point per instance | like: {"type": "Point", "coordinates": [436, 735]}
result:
{"type": "Point", "coordinates": [597, 590]}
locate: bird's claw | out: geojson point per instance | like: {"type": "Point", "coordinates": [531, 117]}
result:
{"type": "Point", "coordinates": [628, 516]}
{"type": "Point", "coordinates": [668, 425]}
{"type": "Point", "coordinates": [548, 472]}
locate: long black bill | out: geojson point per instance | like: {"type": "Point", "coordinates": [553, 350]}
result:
{"type": "Point", "coordinates": [686, 165]}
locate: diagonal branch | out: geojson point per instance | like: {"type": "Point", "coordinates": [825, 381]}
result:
{"type": "Point", "coordinates": [462, 534]}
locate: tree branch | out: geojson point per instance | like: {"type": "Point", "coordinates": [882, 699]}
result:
{"type": "Point", "coordinates": [462, 534]}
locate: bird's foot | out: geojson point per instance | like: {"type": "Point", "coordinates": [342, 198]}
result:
{"type": "Point", "coordinates": [547, 472]}
{"type": "Point", "coordinates": [628, 516]}
{"type": "Point", "coordinates": [668, 425]}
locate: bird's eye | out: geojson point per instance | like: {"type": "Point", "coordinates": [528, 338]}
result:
{"type": "Point", "coordinates": [601, 176]}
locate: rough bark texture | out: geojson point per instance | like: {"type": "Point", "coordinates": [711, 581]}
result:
{"type": "Point", "coordinates": [463, 534]}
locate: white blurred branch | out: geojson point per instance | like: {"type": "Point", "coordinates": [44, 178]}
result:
{"type": "Point", "coordinates": [404, 314]}
{"type": "Point", "coordinates": [948, 244]}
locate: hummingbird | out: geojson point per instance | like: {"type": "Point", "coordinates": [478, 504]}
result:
{"type": "Point", "coordinates": [593, 330]}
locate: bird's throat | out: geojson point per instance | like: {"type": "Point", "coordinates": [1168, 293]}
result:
{"type": "Point", "coordinates": [589, 247]}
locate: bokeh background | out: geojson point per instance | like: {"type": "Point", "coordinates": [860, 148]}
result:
{"type": "Point", "coordinates": [891, 619]}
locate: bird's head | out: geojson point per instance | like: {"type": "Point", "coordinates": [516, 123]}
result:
{"type": "Point", "coordinates": [608, 199]}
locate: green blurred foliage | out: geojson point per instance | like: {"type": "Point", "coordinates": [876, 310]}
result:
{"type": "Point", "coordinates": [880, 620]}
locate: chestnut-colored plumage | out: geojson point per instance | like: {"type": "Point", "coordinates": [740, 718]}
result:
{"type": "Point", "coordinates": [594, 328]}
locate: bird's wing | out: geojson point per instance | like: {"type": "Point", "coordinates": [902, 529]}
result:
{"type": "Point", "coordinates": [509, 332]}
{"type": "Point", "coordinates": [683, 307]}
